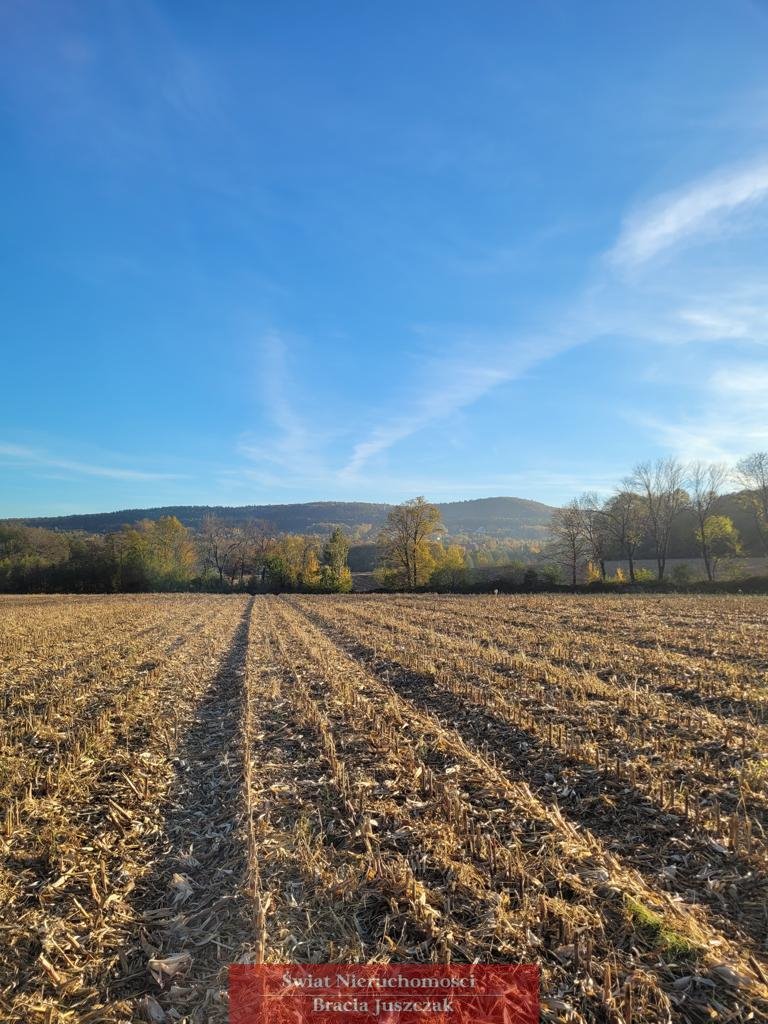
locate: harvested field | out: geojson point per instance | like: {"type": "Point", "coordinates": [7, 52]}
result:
{"type": "Point", "coordinates": [189, 781]}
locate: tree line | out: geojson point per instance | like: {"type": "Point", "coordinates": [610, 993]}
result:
{"type": "Point", "coordinates": [645, 510]}
{"type": "Point", "coordinates": [163, 554]}
{"type": "Point", "coordinates": [662, 508]}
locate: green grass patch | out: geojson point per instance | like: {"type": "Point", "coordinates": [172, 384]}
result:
{"type": "Point", "coordinates": [652, 927]}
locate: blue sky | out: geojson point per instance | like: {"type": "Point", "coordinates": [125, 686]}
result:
{"type": "Point", "coordinates": [283, 252]}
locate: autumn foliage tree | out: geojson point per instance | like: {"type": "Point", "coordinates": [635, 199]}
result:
{"type": "Point", "coordinates": [153, 555]}
{"type": "Point", "coordinates": [293, 563]}
{"type": "Point", "coordinates": [407, 560]}
{"type": "Point", "coordinates": [721, 539]}
{"type": "Point", "coordinates": [705, 483]}
{"type": "Point", "coordinates": [451, 564]}
{"type": "Point", "coordinates": [334, 572]}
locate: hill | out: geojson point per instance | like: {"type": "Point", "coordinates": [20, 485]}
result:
{"type": "Point", "coordinates": [515, 518]}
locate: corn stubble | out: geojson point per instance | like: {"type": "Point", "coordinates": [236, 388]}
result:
{"type": "Point", "coordinates": [191, 781]}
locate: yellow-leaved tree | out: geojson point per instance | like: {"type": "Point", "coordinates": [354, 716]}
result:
{"type": "Point", "coordinates": [335, 574]}
{"type": "Point", "coordinates": [406, 559]}
{"type": "Point", "coordinates": [593, 574]}
{"type": "Point", "coordinates": [450, 572]}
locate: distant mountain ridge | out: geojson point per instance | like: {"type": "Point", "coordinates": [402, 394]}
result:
{"type": "Point", "coordinates": [517, 518]}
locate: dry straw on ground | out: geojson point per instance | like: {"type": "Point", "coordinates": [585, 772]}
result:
{"type": "Point", "coordinates": [189, 781]}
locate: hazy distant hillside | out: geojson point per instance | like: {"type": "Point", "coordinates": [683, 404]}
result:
{"type": "Point", "coordinates": [508, 517]}
{"type": "Point", "coordinates": [501, 517]}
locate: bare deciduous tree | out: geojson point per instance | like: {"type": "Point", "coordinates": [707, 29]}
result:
{"type": "Point", "coordinates": [569, 542]}
{"type": "Point", "coordinates": [625, 518]}
{"type": "Point", "coordinates": [259, 537]}
{"type": "Point", "coordinates": [221, 547]}
{"type": "Point", "coordinates": [661, 485]}
{"type": "Point", "coordinates": [595, 529]}
{"type": "Point", "coordinates": [705, 481]}
{"type": "Point", "coordinates": [752, 474]}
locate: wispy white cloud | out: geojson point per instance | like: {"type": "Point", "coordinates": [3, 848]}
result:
{"type": "Point", "coordinates": [290, 446]}
{"type": "Point", "coordinates": [730, 421]}
{"type": "Point", "coordinates": [678, 216]}
{"type": "Point", "coordinates": [35, 457]}
{"type": "Point", "coordinates": [679, 304]}
{"type": "Point", "coordinates": [475, 365]}
{"type": "Point", "coordinates": [742, 381]}
{"type": "Point", "coordinates": [468, 383]}
{"type": "Point", "coordinates": [690, 305]}
{"type": "Point", "coordinates": [708, 323]}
